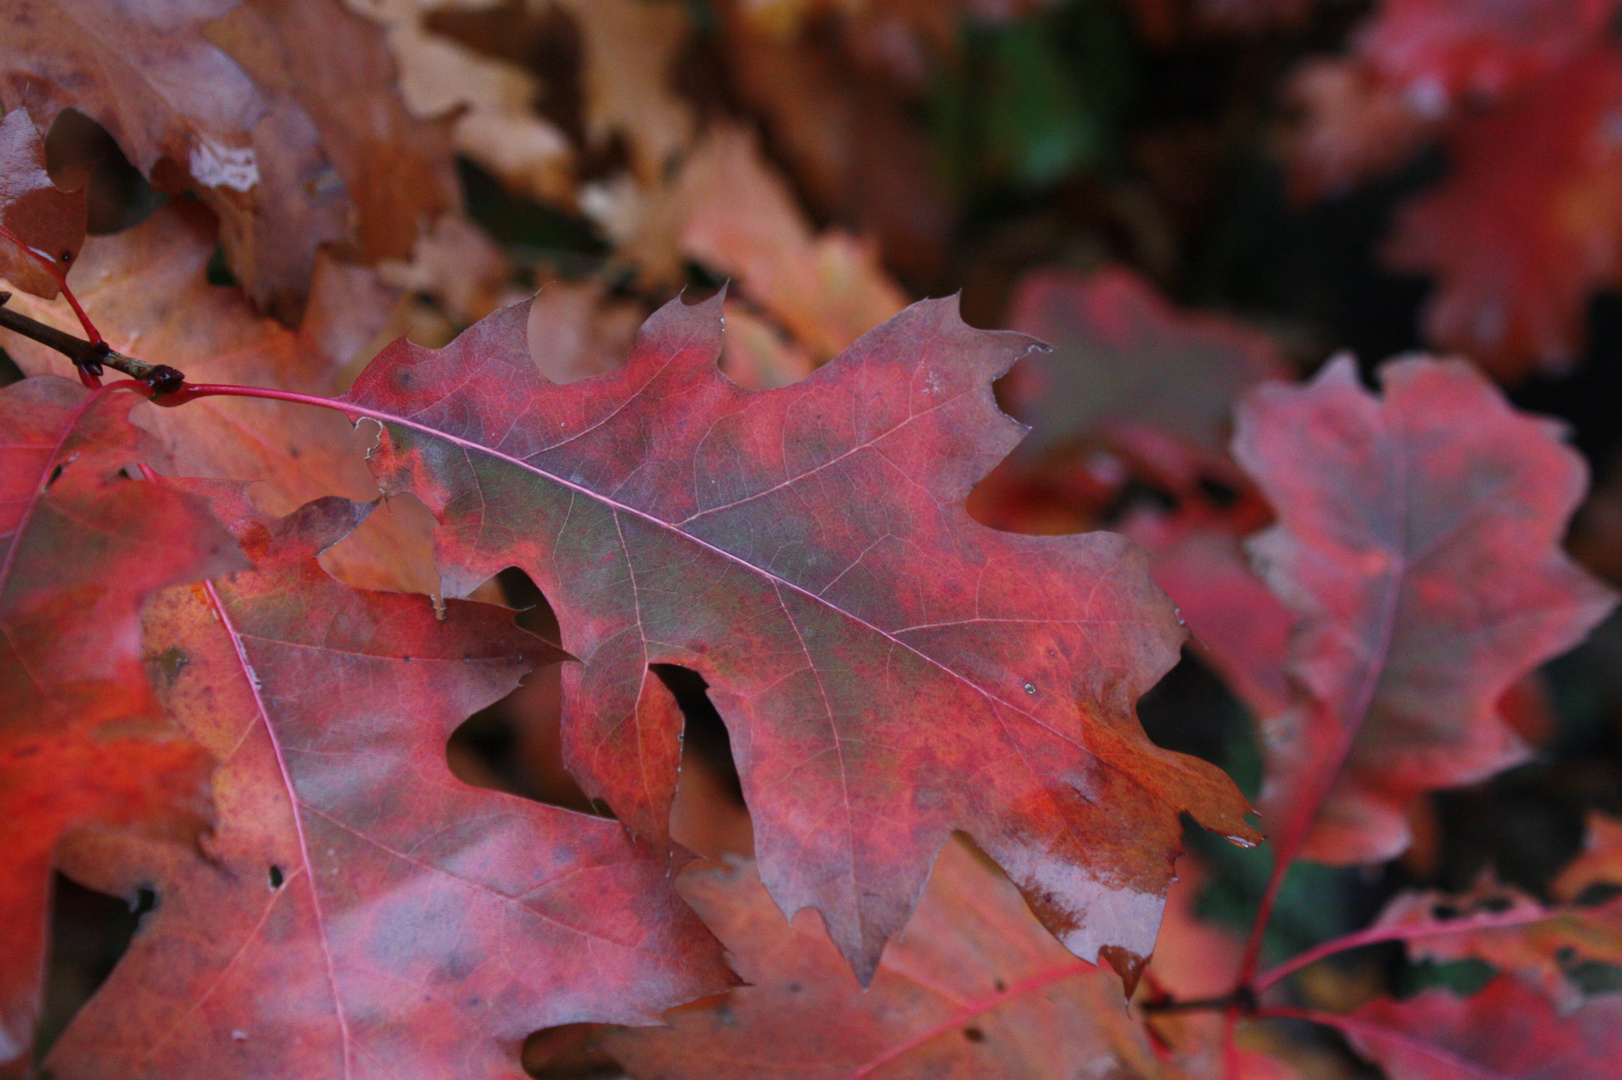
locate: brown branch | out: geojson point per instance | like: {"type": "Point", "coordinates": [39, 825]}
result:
{"type": "Point", "coordinates": [1243, 999]}
{"type": "Point", "coordinates": [90, 357]}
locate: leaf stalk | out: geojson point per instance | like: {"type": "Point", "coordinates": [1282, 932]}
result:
{"type": "Point", "coordinates": [91, 357]}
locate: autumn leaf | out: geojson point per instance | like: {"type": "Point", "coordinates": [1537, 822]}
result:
{"type": "Point", "coordinates": [1350, 123]}
{"type": "Point", "coordinates": [728, 210]}
{"type": "Point", "coordinates": [150, 293]}
{"type": "Point", "coordinates": [357, 910]}
{"type": "Point", "coordinates": [1504, 1032]}
{"type": "Point", "coordinates": [841, 107]}
{"type": "Point", "coordinates": [1418, 539]}
{"type": "Point", "coordinates": [1442, 53]}
{"type": "Point", "coordinates": [888, 669]}
{"type": "Point", "coordinates": [394, 173]}
{"type": "Point", "coordinates": [1415, 68]}
{"type": "Point", "coordinates": [629, 48]}
{"type": "Point", "coordinates": [82, 738]}
{"type": "Point", "coordinates": [1599, 862]}
{"type": "Point", "coordinates": [1126, 368]}
{"type": "Point", "coordinates": [1518, 935]}
{"type": "Point", "coordinates": [974, 987]}
{"type": "Point", "coordinates": [289, 126]}
{"type": "Point", "coordinates": [737, 216]}
{"type": "Point", "coordinates": [1518, 241]}
{"type": "Point", "coordinates": [34, 211]}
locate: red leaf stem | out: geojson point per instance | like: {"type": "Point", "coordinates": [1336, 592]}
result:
{"type": "Point", "coordinates": [60, 275]}
{"type": "Point", "coordinates": [1486, 920]}
{"type": "Point", "coordinates": [1351, 1025]}
{"type": "Point", "coordinates": [973, 1009]}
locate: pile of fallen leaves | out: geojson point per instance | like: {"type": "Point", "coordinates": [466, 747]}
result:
{"type": "Point", "coordinates": [500, 570]}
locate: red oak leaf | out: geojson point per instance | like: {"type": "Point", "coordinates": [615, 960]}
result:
{"type": "Point", "coordinates": [972, 987]}
{"type": "Point", "coordinates": [1126, 366]}
{"type": "Point", "coordinates": [1505, 1032]}
{"type": "Point", "coordinates": [889, 669]}
{"type": "Point", "coordinates": [1600, 861]}
{"type": "Point", "coordinates": [82, 739]}
{"type": "Point", "coordinates": [1519, 239]}
{"type": "Point", "coordinates": [34, 211]}
{"type": "Point", "coordinates": [358, 911]}
{"type": "Point", "coordinates": [1436, 52]}
{"type": "Point", "coordinates": [1511, 931]}
{"type": "Point", "coordinates": [1416, 66]}
{"type": "Point", "coordinates": [1350, 122]}
{"type": "Point", "coordinates": [1418, 538]}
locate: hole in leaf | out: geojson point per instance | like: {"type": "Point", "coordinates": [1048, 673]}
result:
{"type": "Point", "coordinates": [974, 1035]}
{"type": "Point", "coordinates": [56, 474]}
{"type": "Point", "coordinates": [276, 878]}
{"type": "Point", "coordinates": [708, 814]}
{"type": "Point", "coordinates": [219, 268]}
{"type": "Point", "coordinates": [567, 1053]}
{"type": "Point", "coordinates": [170, 663]}
{"type": "Point", "coordinates": [514, 746]}
{"type": "Point", "coordinates": [79, 153]}
{"type": "Point", "coordinates": [89, 933]}
{"type": "Point", "coordinates": [1460, 977]}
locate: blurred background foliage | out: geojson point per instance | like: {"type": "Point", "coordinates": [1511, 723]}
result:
{"type": "Point", "coordinates": [1250, 160]}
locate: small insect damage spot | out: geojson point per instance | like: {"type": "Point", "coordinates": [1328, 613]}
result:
{"type": "Point", "coordinates": [171, 662]}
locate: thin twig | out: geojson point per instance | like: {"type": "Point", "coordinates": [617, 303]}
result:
{"type": "Point", "coordinates": [91, 357]}
{"type": "Point", "coordinates": [1241, 999]}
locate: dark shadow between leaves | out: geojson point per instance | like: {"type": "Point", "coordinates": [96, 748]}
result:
{"type": "Point", "coordinates": [90, 932]}
{"type": "Point", "coordinates": [514, 746]}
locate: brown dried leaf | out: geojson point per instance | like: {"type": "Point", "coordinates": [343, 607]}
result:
{"type": "Point", "coordinates": [282, 117]}
{"type": "Point", "coordinates": [974, 987]}
{"type": "Point", "coordinates": [629, 48]}
{"type": "Point", "coordinates": [727, 210]}
{"type": "Point", "coordinates": [35, 211]}
{"type": "Point", "coordinates": [149, 293]}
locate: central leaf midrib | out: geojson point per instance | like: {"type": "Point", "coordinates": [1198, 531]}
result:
{"type": "Point", "coordinates": [668, 527]}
